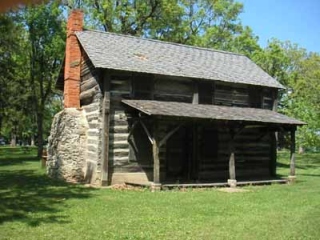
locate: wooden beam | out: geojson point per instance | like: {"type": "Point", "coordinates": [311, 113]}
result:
{"type": "Point", "coordinates": [275, 100]}
{"type": "Point", "coordinates": [155, 153]}
{"type": "Point", "coordinates": [105, 130]}
{"type": "Point", "coordinates": [255, 126]}
{"type": "Point", "coordinates": [168, 135]}
{"type": "Point", "coordinates": [232, 168]}
{"type": "Point", "coordinates": [147, 131]}
{"type": "Point", "coordinates": [195, 153]}
{"type": "Point", "coordinates": [132, 129]}
{"type": "Point", "coordinates": [292, 152]}
{"type": "Point", "coordinates": [273, 154]}
{"type": "Point", "coordinates": [195, 97]}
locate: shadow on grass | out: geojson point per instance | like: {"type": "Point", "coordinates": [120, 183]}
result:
{"type": "Point", "coordinates": [310, 175]}
{"type": "Point", "coordinates": [304, 162]}
{"type": "Point", "coordinates": [17, 160]}
{"type": "Point", "coordinates": [31, 197]}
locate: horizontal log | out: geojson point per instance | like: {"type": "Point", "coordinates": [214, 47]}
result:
{"type": "Point", "coordinates": [118, 136]}
{"type": "Point", "coordinates": [86, 68]}
{"type": "Point", "coordinates": [114, 159]}
{"type": "Point", "coordinates": [86, 97]}
{"type": "Point", "coordinates": [207, 175]}
{"type": "Point", "coordinates": [132, 167]}
{"type": "Point", "coordinates": [168, 97]}
{"type": "Point", "coordinates": [119, 129]}
{"type": "Point", "coordinates": [262, 156]}
{"type": "Point", "coordinates": [91, 83]}
{"type": "Point", "coordinates": [175, 87]}
{"type": "Point", "coordinates": [118, 122]}
{"type": "Point", "coordinates": [92, 108]}
{"type": "Point", "coordinates": [118, 144]}
{"type": "Point", "coordinates": [124, 87]}
{"type": "Point", "coordinates": [140, 177]}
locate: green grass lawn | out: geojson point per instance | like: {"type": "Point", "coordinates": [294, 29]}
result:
{"type": "Point", "coordinates": [33, 206]}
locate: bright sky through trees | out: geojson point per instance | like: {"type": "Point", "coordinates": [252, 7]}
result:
{"type": "Point", "coordinates": [294, 20]}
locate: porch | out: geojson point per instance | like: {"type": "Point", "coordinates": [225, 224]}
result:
{"type": "Point", "coordinates": [165, 185]}
{"type": "Point", "coordinates": [207, 145]}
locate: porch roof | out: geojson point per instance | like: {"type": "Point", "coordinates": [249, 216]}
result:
{"type": "Point", "coordinates": [211, 112]}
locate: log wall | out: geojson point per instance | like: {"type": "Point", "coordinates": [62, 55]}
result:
{"type": "Point", "coordinates": [252, 154]}
{"type": "Point", "coordinates": [167, 89]}
{"type": "Point", "coordinates": [231, 96]}
{"type": "Point", "coordinates": [123, 163]}
{"type": "Point", "coordinates": [91, 100]}
{"type": "Point", "coordinates": [131, 159]}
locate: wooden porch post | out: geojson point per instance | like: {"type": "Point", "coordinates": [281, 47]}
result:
{"type": "Point", "coordinates": [156, 185]}
{"type": "Point", "coordinates": [156, 161]}
{"type": "Point", "coordinates": [105, 131]}
{"type": "Point", "coordinates": [292, 175]}
{"type": "Point", "coordinates": [232, 182]}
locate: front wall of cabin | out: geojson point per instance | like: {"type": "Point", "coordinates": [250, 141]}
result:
{"type": "Point", "coordinates": [198, 151]}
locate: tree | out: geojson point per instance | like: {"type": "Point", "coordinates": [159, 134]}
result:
{"type": "Point", "coordinates": [303, 100]}
{"type": "Point", "coordinates": [298, 71]}
{"type": "Point", "coordinates": [11, 107]}
{"type": "Point", "coordinates": [44, 49]}
{"type": "Point", "coordinates": [204, 23]}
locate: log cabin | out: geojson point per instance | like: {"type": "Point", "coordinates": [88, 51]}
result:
{"type": "Point", "coordinates": [155, 113]}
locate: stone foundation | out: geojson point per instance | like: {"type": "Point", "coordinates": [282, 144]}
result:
{"type": "Point", "coordinates": [67, 147]}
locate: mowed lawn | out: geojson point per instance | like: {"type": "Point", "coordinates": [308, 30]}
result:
{"type": "Point", "coordinates": [33, 206]}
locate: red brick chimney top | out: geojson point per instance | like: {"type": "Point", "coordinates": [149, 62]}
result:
{"type": "Point", "coordinates": [72, 61]}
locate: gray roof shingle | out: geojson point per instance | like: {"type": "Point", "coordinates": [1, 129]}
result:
{"type": "Point", "coordinates": [214, 112]}
{"type": "Point", "coordinates": [121, 52]}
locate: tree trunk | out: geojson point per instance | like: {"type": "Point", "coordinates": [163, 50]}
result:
{"type": "Point", "coordinates": [40, 134]}
{"type": "Point", "coordinates": [32, 141]}
{"type": "Point", "coordinates": [13, 142]}
{"type": "Point", "coordinates": [301, 150]}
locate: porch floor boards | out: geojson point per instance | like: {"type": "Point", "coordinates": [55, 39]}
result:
{"type": "Point", "coordinates": [209, 184]}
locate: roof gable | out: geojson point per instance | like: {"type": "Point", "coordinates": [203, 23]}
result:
{"type": "Point", "coordinates": [121, 52]}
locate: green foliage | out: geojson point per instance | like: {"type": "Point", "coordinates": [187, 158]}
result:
{"type": "Point", "coordinates": [205, 23]}
{"type": "Point", "coordinates": [12, 82]}
{"type": "Point", "coordinates": [303, 100]}
{"type": "Point", "coordinates": [30, 70]}
{"type": "Point", "coordinates": [45, 47]}
{"type": "Point", "coordinates": [34, 206]}
{"type": "Point", "coordinates": [298, 71]}
{"type": "Point", "coordinates": [31, 59]}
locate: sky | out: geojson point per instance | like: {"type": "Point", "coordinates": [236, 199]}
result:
{"type": "Point", "coordinates": [294, 20]}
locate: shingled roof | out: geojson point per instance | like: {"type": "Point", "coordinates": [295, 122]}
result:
{"type": "Point", "coordinates": [210, 112]}
{"type": "Point", "coordinates": [121, 52]}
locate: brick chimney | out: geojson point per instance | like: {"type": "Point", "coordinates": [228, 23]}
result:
{"type": "Point", "coordinates": [72, 61]}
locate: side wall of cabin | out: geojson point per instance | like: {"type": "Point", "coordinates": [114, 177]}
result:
{"type": "Point", "coordinates": [91, 102]}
